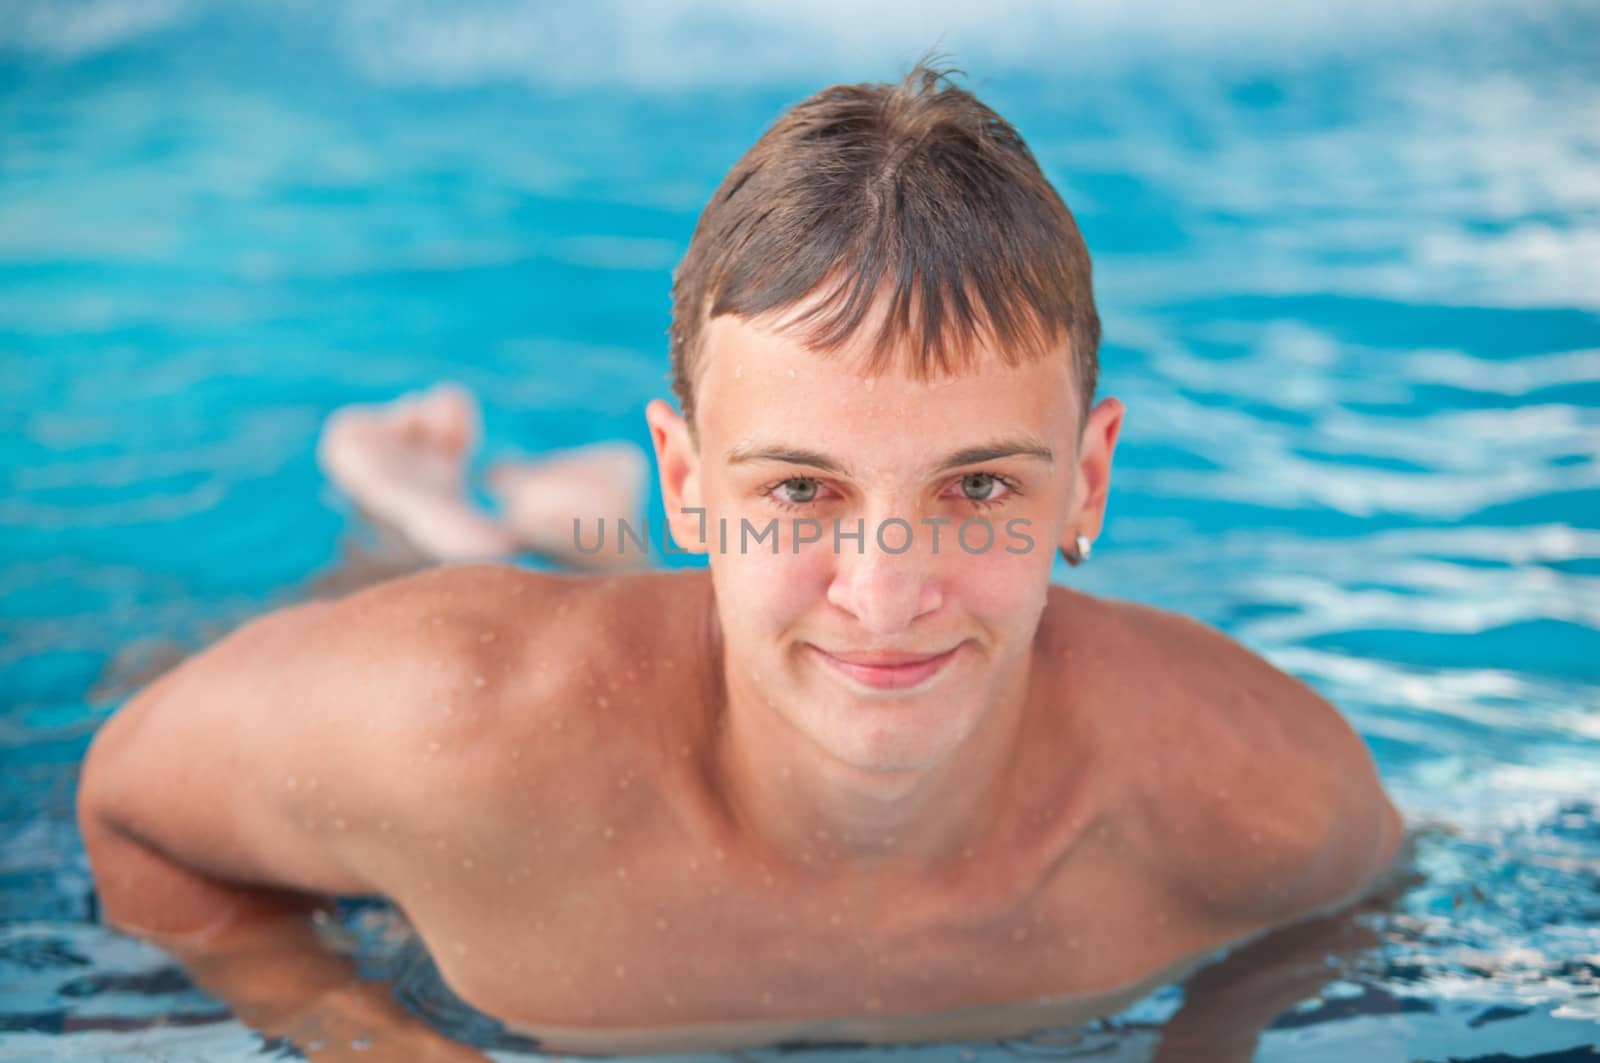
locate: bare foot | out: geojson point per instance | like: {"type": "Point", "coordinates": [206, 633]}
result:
{"type": "Point", "coordinates": [403, 462]}
{"type": "Point", "coordinates": [541, 499]}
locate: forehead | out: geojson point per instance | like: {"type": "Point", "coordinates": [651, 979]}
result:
{"type": "Point", "coordinates": [759, 384]}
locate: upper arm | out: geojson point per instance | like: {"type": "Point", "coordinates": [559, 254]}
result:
{"type": "Point", "coordinates": [1275, 810]}
{"type": "Point", "coordinates": [274, 758]}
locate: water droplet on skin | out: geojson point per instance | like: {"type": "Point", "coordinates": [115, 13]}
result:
{"type": "Point", "coordinates": [1162, 919]}
{"type": "Point", "coordinates": [870, 383]}
{"type": "Point", "coordinates": [603, 701]}
{"type": "Point", "coordinates": [1255, 837]}
{"type": "Point", "coordinates": [835, 919]}
{"type": "Point", "coordinates": [873, 1003]}
{"type": "Point", "coordinates": [467, 862]}
{"type": "Point", "coordinates": [1072, 943]}
{"type": "Point", "coordinates": [661, 924]}
{"type": "Point", "coordinates": [385, 826]}
{"type": "Point", "coordinates": [791, 374]}
{"type": "Point", "coordinates": [738, 372]}
{"type": "Point", "coordinates": [461, 950]}
{"type": "Point", "coordinates": [672, 999]}
{"type": "Point", "coordinates": [766, 998]}
{"type": "Point", "coordinates": [479, 681]}
{"type": "Point", "coordinates": [291, 782]}
{"type": "Point", "coordinates": [1019, 934]}
{"type": "Point", "coordinates": [622, 874]}
{"type": "Point", "coordinates": [487, 636]}
{"type": "Point", "coordinates": [338, 823]}
{"type": "Point", "coordinates": [622, 972]}
{"type": "Point", "coordinates": [609, 833]}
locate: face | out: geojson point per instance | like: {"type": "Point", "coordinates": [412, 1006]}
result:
{"type": "Point", "coordinates": [888, 648]}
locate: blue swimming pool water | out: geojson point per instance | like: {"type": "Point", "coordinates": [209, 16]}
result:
{"type": "Point", "coordinates": [1349, 265]}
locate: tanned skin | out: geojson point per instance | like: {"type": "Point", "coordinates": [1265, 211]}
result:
{"type": "Point", "coordinates": [654, 812]}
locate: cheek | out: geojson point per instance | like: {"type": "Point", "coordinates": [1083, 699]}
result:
{"type": "Point", "coordinates": [1001, 590]}
{"type": "Point", "coordinates": [766, 590]}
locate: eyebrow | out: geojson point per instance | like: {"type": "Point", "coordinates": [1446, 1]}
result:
{"type": "Point", "coordinates": [1023, 446]}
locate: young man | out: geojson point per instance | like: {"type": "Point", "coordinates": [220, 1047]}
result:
{"type": "Point", "coordinates": [872, 779]}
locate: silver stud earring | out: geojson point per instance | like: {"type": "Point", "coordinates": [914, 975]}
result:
{"type": "Point", "coordinates": [1082, 547]}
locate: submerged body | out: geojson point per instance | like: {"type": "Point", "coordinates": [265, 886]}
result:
{"type": "Point", "coordinates": [550, 811]}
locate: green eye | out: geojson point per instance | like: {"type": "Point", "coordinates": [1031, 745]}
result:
{"type": "Point", "coordinates": [978, 486]}
{"type": "Point", "coordinates": [799, 490]}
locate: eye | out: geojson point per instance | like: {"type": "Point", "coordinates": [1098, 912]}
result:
{"type": "Point", "coordinates": [983, 489]}
{"type": "Point", "coordinates": [980, 486]}
{"type": "Point", "coordinates": [797, 490]}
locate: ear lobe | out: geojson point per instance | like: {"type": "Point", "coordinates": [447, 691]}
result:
{"type": "Point", "coordinates": [678, 460]}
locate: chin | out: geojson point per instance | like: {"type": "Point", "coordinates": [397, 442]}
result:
{"type": "Point", "coordinates": [873, 734]}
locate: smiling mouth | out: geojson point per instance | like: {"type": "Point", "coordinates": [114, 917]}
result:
{"type": "Point", "coordinates": [886, 670]}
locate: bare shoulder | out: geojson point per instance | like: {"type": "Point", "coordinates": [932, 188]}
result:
{"type": "Point", "coordinates": [482, 651]}
{"type": "Point", "coordinates": [1253, 798]}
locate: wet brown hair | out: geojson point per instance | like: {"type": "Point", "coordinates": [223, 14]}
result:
{"type": "Point", "coordinates": [915, 199]}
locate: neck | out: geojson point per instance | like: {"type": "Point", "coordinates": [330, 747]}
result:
{"type": "Point", "coordinates": [808, 809]}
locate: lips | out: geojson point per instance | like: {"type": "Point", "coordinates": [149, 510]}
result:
{"type": "Point", "coordinates": [887, 669]}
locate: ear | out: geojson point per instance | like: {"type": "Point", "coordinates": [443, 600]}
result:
{"type": "Point", "coordinates": [678, 459]}
{"type": "Point", "coordinates": [1092, 479]}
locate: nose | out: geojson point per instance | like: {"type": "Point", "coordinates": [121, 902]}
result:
{"type": "Point", "coordinates": [885, 591]}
